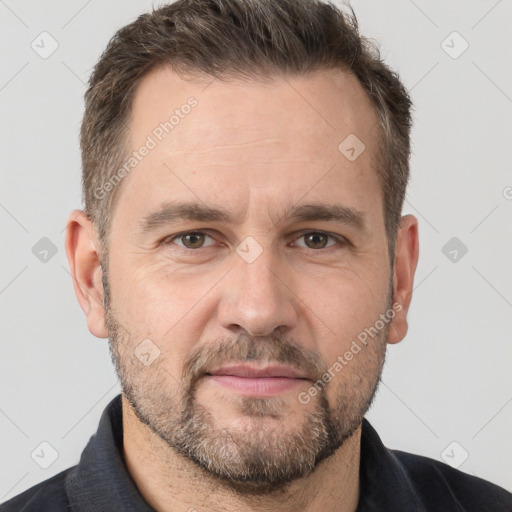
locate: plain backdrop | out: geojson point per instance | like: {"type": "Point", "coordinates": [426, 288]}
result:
{"type": "Point", "coordinates": [447, 388]}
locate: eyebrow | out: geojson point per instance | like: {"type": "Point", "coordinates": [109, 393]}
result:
{"type": "Point", "coordinates": [172, 212]}
{"type": "Point", "coordinates": [350, 217]}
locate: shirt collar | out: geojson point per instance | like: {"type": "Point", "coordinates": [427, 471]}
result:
{"type": "Point", "coordinates": [384, 481]}
{"type": "Point", "coordinates": [101, 481]}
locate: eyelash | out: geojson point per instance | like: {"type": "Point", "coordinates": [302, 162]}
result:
{"type": "Point", "coordinates": [341, 241]}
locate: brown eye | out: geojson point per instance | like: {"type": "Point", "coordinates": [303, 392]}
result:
{"type": "Point", "coordinates": [316, 240]}
{"type": "Point", "coordinates": [192, 240]}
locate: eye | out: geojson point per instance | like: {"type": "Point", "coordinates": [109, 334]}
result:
{"type": "Point", "coordinates": [317, 240]}
{"type": "Point", "coordinates": [191, 240]}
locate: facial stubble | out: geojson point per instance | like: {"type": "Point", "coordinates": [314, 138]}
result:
{"type": "Point", "coordinates": [263, 456]}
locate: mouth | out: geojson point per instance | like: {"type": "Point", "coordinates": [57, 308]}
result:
{"type": "Point", "coordinates": [250, 380]}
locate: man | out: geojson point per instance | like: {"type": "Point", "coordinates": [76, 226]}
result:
{"type": "Point", "coordinates": [242, 247]}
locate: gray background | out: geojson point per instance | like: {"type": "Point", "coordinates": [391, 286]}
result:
{"type": "Point", "coordinates": [448, 381]}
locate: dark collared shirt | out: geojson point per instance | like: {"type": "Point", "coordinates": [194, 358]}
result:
{"type": "Point", "coordinates": [390, 480]}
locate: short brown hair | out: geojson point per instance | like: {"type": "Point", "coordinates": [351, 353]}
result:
{"type": "Point", "coordinates": [237, 38]}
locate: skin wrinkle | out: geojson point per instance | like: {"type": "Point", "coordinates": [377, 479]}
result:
{"type": "Point", "coordinates": [250, 144]}
{"type": "Point", "coordinates": [187, 440]}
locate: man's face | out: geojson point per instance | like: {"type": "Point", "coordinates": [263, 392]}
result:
{"type": "Point", "coordinates": [269, 262]}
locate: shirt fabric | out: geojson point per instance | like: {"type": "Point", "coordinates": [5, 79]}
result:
{"type": "Point", "coordinates": [390, 480]}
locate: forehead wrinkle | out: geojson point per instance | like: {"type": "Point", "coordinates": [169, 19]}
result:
{"type": "Point", "coordinates": [242, 145]}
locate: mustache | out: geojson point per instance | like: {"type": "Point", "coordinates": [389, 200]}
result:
{"type": "Point", "coordinates": [244, 348]}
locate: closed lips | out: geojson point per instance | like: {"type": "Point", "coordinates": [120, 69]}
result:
{"type": "Point", "coordinates": [252, 372]}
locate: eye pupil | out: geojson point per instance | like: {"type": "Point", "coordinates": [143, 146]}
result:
{"type": "Point", "coordinates": [193, 240]}
{"type": "Point", "coordinates": [316, 240]}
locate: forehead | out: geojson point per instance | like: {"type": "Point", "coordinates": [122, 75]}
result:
{"type": "Point", "coordinates": [280, 139]}
{"type": "Point", "coordinates": [324, 104]}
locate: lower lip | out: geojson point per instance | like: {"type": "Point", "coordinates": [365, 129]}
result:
{"type": "Point", "coordinates": [262, 386]}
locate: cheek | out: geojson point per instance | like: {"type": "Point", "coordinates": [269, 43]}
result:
{"type": "Point", "coordinates": [155, 296]}
{"type": "Point", "coordinates": [353, 352]}
{"type": "Point", "coordinates": [167, 309]}
{"type": "Point", "coordinates": [346, 303]}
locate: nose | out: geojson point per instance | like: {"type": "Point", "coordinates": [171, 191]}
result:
{"type": "Point", "coordinates": [258, 298]}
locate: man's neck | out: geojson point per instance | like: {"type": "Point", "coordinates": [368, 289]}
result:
{"type": "Point", "coordinates": [168, 482]}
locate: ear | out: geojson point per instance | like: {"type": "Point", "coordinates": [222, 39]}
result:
{"type": "Point", "coordinates": [84, 264]}
{"type": "Point", "coordinates": [406, 259]}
